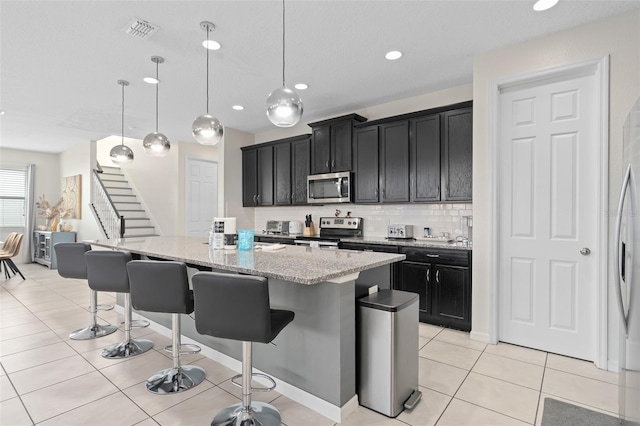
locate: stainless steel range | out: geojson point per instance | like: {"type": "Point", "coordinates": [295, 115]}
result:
{"type": "Point", "coordinates": [331, 230]}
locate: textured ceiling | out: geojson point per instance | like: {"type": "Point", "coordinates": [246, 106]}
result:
{"type": "Point", "coordinates": [60, 60]}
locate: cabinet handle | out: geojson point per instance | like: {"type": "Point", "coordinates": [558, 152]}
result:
{"type": "Point", "coordinates": [428, 275]}
{"type": "Point", "coordinates": [376, 193]}
{"type": "Point", "coordinates": [438, 276]}
{"type": "Point", "coordinates": [291, 196]}
{"type": "Point", "coordinates": [383, 192]}
{"type": "Point", "coordinates": [333, 164]}
{"type": "Point", "coordinates": [255, 198]}
{"type": "Point", "coordinates": [327, 164]}
{"type": "Point", "coordinates": [432, 255]}
{"type": "Point", "coordinates": [258, 199]}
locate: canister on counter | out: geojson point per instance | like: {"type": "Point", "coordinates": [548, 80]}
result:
{"type": "Point", "coordinates": [224, 233]}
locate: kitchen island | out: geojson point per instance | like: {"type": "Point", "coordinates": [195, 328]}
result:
{"type": "Point", "coordinates": [314, 358]}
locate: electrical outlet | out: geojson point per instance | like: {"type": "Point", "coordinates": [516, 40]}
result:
{"type": "Point", "coordinates": [373, 289]}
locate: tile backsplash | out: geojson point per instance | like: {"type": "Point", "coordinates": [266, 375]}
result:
{"type": "Point", "coordinates": [439, 217]}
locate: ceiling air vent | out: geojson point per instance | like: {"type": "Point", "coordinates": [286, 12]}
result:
{"type": "Point", "coordinates": [140, 29]}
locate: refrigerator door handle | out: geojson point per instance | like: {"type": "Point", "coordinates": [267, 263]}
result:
{"type": "Point", "coordinates": [616, 246]}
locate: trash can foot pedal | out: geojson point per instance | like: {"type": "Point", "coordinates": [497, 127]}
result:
{"type": "Point", "coordinates": [413, 399]}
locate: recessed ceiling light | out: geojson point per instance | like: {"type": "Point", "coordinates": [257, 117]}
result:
{"type": "Point", "coordinates": [2, 112]}
{"type": "Point", "coordinates": [151, 80]}
{"type": "Point", "coordinates": [541, 5]}
{"type": "Point", "coordinates": [301, 86]}
{"type": "Point", "coordinates": [393, 55]}
{"type": "Point", "coordinates": [211, 44]}
{"type": "Point", "coordinates": [238, 107]}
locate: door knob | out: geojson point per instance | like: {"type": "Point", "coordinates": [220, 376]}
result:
{"type": "Point", "coordinates": [585, 251]}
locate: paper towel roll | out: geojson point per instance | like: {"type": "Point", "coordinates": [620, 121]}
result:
{"type": "Point", "coordinates": [229, 225]}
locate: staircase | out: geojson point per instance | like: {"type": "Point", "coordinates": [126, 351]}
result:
{"type": "Point", "coordinates": [137, 223]}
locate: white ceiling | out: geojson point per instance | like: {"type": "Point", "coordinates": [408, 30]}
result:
{"type": "Point", "coordinates": [60, 60]}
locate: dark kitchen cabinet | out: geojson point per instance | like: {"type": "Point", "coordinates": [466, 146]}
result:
{"type": "Point", "coordinates": [457, 155]}
{"type": "Point", "coordinates": [300, 169]}
{"type": "Point", "coordinates": [282, 173]}
{"type": "Point", "coordinates": [394, 162]}
{"type": "Point", "coordinates": [257, 176]}
{"type": "Point", "coordinates": [374, 276]}
{"type": "Point", "coordinates": [365, 150]}
{"type": "Point", "coordinates": [425, 158]}
{"type": "Point", "coordinates": [331, 144]}
{"type": "Point", "coordinates": [442, 279]}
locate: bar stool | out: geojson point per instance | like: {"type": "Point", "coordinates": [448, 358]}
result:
{"type": "Point", "coordinates": [163, 286]}
{"type": "Point", "coordinates": [72, 264]}
{"type": "Point", "coordinates": [237, 307]}
{"type": "Point", "coordinates": [107, 271]}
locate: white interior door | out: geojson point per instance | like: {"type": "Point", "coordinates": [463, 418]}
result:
{"type": "Point", "coordinates": [201, 196]}
{"type": "Point", "coordinates": [548, 198]}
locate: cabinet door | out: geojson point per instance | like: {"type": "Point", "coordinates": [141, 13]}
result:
{"type": "Point", "coordinates": [321, 150]}
{"type": "Point", "coordinates": [416, 278]}
{"type": "Point", "coordinates": [457, 145]}
{"type": "Point", "coordinates": [366, 165]}
{"type": "Point", "coordinates": [249, 177]}
{"type": "Point", "coordinates": [300, 169]}
{"type": "Point", "coordinates": [265, 176]}
{"type": "Point", "coordinates": [394, 162]}
{"type": "Point", "coordinates": [341, 137]}
{"type": "Point", "coordinates": [453, 296]}
{"type": "Point", "coordinates": [282, 175]}
{"type": "Point", "coordinates": [425, 158]}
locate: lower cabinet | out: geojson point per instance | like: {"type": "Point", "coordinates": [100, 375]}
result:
{"type": "Point", "coordinates": [273, 240]}
{"type": "Point", "coordinates": [43, 242]}
{"type": "Point", "coordinates": [442, 279]}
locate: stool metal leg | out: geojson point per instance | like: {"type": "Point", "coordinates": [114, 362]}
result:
{"type": "Point", "coordinates": [130, 347]}
{"type": "Point", "coordinates": [95, 330]}
{"type": "Point", "coordinates": [247, 413]}
{"type": "Point", "coordinates": [178, 378]}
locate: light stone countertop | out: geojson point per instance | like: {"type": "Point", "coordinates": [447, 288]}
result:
{"type": "Point", "coordinates": [303, 265]}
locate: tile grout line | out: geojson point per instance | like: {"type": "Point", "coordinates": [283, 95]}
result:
{"type": "Point", "coordinates": [24, 407]}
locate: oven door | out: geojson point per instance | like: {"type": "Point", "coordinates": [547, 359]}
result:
{"type": "Point", "coordinates": [329, 188]}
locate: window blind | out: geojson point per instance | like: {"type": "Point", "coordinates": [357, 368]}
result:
{"type": "Point", "coordinates": [13, 193]}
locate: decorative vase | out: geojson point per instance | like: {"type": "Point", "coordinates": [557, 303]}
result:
{"type": "Point", "coordinates": [54, 225]}
{"type": "Point", "coordinates": [66, 227]}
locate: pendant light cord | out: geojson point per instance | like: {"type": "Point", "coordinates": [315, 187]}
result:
{"type": "Point", "coordinates": [122, 132]}
{"type": "Point", "coordinates": [283, 44]}
{"type": "Point", "coordinates": [157, 87]}
{"type": "Point", "coordinates": [207, 69]}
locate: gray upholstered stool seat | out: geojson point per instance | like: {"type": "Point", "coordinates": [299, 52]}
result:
{"type": "Point", "coordinates": [72, 264]}
{"type": "Point", "coordinates": [237, 307]}
{"type": "Point", "coordinates": [160, 286]}
{"type": "Point", "coordinates": [107, 271]}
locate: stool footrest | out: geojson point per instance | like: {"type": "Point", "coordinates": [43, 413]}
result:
{"type": "Point", "coordinates": [189, 349]}
{"type": "Point", "coordinates": [102, 307]}
{"type": "Point", "coordinates": [264, 376]}
{"type": "Point", "coordinates": [137, 324]}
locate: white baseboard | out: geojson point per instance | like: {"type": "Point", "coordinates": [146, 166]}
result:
{"type": "Point", "coordinates": [612, 365]}
{"type": "Point", "coordinates": [333, 412]}
{"type": "Point", "coordinates": [480, 337]}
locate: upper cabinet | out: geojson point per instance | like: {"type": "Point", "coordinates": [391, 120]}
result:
{"type": "Point", "coordinates": [418, 157]}
{"type": "Point", "coordinates": [331, 144]}
{"type": "Point", "coordinates": [275, 173]}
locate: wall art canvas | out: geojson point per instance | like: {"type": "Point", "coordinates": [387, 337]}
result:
{"type": "Point", "coordinates": [72, 195]}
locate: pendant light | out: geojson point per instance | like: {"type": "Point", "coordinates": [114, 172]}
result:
{"type": "Point", "coordinates": [121, 154]}
{"type": "Point", "coordinates": [156, 143]}
{"type": "Point", "coordinates": [284, 106]}
{"type": "Point", "coordinates": [207, 129]}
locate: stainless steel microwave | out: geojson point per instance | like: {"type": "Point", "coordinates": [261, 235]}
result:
{"type": "Point", "coordinates": [329, 188]}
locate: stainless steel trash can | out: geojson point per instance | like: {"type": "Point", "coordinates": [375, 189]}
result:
{"type": "Point", "coordinates": [388, 351]}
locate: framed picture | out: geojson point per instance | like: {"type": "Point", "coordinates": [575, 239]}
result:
{"type": "Point", "coordinates": [72, 195]}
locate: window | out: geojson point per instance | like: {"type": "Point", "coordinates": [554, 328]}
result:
{"type": "Point", "coordinates": [13, 194]}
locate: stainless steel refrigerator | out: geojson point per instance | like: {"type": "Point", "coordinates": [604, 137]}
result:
{"type": "Point", "coordinates": [627, 272]}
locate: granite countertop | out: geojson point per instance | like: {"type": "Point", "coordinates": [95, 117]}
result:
{"type": "Point", "coordinates": [416, 242]}
{"type": "Point", "coordinates": [303, 265]}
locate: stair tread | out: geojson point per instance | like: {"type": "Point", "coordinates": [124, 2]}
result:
{"type": "Point", "coordinates": [141, 235]}
{"type": "Point", "coordinates": [137, 218]}
{"type": "Point", "coordinates": [138, 227]}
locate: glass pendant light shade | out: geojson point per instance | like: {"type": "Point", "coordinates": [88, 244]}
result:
{"type": "Point", "coordinates": [121, 154]}
{"type": "Point", "coordinates": [156, 144]}
{"type": "Point", "coordinates": [207, 130]}
{"type": "Point", "coordinates": [284, 107]}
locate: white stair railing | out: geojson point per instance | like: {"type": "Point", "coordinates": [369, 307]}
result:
{"type": "Point", "coordinates": [112, 223]}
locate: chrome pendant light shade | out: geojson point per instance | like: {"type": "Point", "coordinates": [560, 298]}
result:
{"type": "Point", "coordinates": [207, 129]}
{"type": "Point", "coordinates": [155, 143]}
{"type": "Point", "coordinates": [121, 154]}
{"type": "Point", "coordinates": [284, 106]}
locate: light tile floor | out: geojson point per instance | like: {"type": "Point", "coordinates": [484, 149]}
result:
{"type": "Point", "coordinates": [48, 379]}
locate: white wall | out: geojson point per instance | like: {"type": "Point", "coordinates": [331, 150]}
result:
{"type": "Point", "coordinates": [618, 37]}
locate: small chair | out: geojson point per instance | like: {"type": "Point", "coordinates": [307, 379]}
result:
{"type": "Point", "coordinates": [72, 264]}
{"type": "Point", "coordinates": [107, 271]}
{"type": "Point", "coordinates": [7, 243]}
{"type": "Point", "coordinates": [12, 244]}
{"type": "Point", "coordinates": [163, 286]}
{"type": "Point", "coordinates": [237, 307]}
